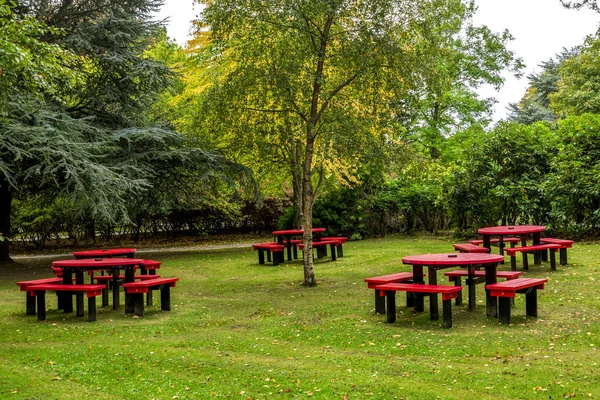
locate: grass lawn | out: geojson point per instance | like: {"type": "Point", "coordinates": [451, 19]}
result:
{"type": "Point", "coordinates": [247, 331]}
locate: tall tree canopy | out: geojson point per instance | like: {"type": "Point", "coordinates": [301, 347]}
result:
{"type": "Point", "coordinates": [312, 84]}
{"type": "Point", "coordinates": [77, 83]}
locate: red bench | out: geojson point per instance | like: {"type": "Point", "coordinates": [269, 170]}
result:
{"type": "Point", "coordinates": [134, 294]}
{"type": "Point", "coordinates": [391, 278]}
{"type": "Point", "coordinates": [496, 241]}
{"type": "Point", "coordinates": [30, 300]}
{"type": "Point", "coordinates": [274, 247]}
{"type": "Point", "coordinates": [321, 247]}
{"type": "Point", "coordinates": [456, 275]}
{"type": "Point", "coordinates": [340, 239]}
{"type": "Point", "coordinates": [39, 292]}
{"type": "Point", "coordinates": [448, 293]}
{"type": "Point", "coordinates": [505, 291]}
{"type": "Point", "coordinates": [512, 252]}
{"type": "Point", "coordinates": [107, 279]}
{"type": "Point", "coordinates": [565, 243]}
{"type": "Point", "coordinates": [469, 248]}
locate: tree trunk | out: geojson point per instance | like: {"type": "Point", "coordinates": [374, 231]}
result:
{"type": "Point", "coordinates": [5, 208]}
{"type": "Point", "coordinates": [307, 200]}
{"type": "Point", "coordinates": [296, 168]}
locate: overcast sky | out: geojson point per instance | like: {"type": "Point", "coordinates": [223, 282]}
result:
{"type": "Point", "coordinates": [541, 29]}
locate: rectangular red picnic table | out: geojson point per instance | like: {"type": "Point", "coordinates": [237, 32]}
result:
{"type": "Point", "coordinates": [523, 231]}
{"type": "Point", "coordinates": [97, 253]}
{"type": "Point", "coordinates": [79, 266]}
{"type": "Point", "coordinates": [464, 260]}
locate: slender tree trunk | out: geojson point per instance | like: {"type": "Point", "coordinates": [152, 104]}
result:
{"type": "Point", "coordinates": [297, 185]}
{"type": "Point", "coordinates": [5, 208]}
{"type": "Point", "coordinates": [307, 200]}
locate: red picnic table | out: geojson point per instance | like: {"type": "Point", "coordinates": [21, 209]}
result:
{"type": "Point", "coordinates": [92, 264]}
{"type": "Point", "coordinates": [121, 252]}
{"type": "Point", "coordinates": [464, 260]}
{"type": "Point", "coordinates": [523, 231]}
{"type": "Point", "coordinates": [285, 237]}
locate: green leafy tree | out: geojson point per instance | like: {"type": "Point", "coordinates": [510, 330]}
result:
{"type": "Point", "coordinates": [311, 85]}
{"type": "Point", "coordinates": [579, 85]}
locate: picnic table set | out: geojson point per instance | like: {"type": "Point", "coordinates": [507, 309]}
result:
{"type": "Point", "coordinates": [477, 265]}
{"type": "Point", "coordinates": [109, 270]}
{"type": "Point", "coordinates": [288, 241]}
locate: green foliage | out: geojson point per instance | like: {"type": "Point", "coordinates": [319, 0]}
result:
{"type": "Point", "coordinates": [500, 181]}
{"type": "Point", "coordinates": [575, 179]}
{"type": "Point", "coordinates": [579, 85]}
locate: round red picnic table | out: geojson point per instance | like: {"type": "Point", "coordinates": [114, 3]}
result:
{"type": "Point", "coordinates": [523, 231]}
{"type": "Point", "coordinates": [127, 252]}
{"type": "Point", "coordinates": [285, 237]}
{"type": "Point", "coordinates": [465, 260]}
{"type": "Point", "coordinates": [114, 264]}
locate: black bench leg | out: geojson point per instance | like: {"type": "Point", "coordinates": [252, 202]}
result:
{"type": "Point", "coordinates": [472, 293]}
{"type": "Point", "coordinates": [459, 297]}
{"type": "Point", "coordinates": [289, 252]}
{"type": "Point", "coordinates": [138, 303]}
{"type": "Point", "coordinates": [513, 262]}
{"type": "Point", "coordinates": [41, 304]}
{"type": "Point", "coordinates": [295, 249]}
{"type": "Point", "coordinates": [268, 255]}
{"type": "Point", "coordinates": [261, 256]}
{"type": "Point", "coordinates": [410, 299]}
{"type": "Point", "coordinates": [79, 302]}
{"type": "Point", "coordinates": [434, 311]}
{"type": "Point", "coordinates": [563, 256]}
{"type": "Point", "coordinates": [504, 310]}
{"type": "Point", "coordinates": [390, 297]}
{"type": "Point", "coordinates": [531, 303]}
{"type": "Point", "coordinates": [29, 304]}
{"type": "Point", "coordinates": [92, 309]}
{"type": "Point", "coordinates": [447, 313]}
{"type": "Point", "coordinates": [275, 257]}
{"type": "Point", "coordinates": [165, 297]}
{"type": "Point", "coordinates": [544, 255]}
{"type": "Point", "coordinates": [552, 260]}
{"type": "Point", "coordinates": [340, 250]}
{"type": "Point", "coordinates": [332, 248]}
{"type": "Point", "coordinates": [525, 262]}
{"type": "Point", "coordinates": [379, 303]}
{"type": "Point", "coordinates": [105, 294]}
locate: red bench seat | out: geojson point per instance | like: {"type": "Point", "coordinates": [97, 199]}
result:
{"type": "Point", "coordinates": [511, 240]}
{"type": "Point", "coordinates": [469, 248]}
{"type": "Point", "coordinates": [456, 275]}
{"type": "Point", "coordinates": [39, 292]}
{"type": "Point", "coordinates": [134, 293]}
{"type": "Point", "coordinates": [448, 293]}
{"type": "Point", "coordinates": [391, 278]}
{"type": "Point", "coordinates": [512, 252]}
{"type": "Point", "coordinates": [30, 300]}
{"type": "Point", "coordinates": [333, 244]}
{"type": "Point", "coordinates": [270, 247]}
{"type": "Point", "coordinates": [505, 291]}
{"type": "Point", "coordinates": [565, 243]}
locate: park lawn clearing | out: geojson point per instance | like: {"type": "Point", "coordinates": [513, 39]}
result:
{"type": "Point", "coordinates": [242, 330]}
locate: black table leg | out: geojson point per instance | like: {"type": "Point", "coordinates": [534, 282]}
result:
{"type": "Point", "coordinates": [418, 278]}
{"type": "Point", "coordinates": [66, 298]}
{"type": "Point", "coordinates": [79, 295]}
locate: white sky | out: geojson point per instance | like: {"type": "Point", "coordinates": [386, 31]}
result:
{"type": "Point", "coordinates": [541, 29]}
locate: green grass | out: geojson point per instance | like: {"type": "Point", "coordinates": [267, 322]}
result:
{"type": "Point", "coordinates": [241, 330]}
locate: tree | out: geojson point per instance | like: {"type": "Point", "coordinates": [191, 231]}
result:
{"type": "Point", "coordinates": [73, 116]}
{"type": "Point", "coordinates": [579, 85]}
{"type": "Point", "coordinates": [535, 105]}
{"type": "Point", "coordinates": [315, 83]}
{"type": "Point", "coordinates": [577, 5]}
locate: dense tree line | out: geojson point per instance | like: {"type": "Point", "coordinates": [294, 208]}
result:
{"type": "Point", "coordinates": [361, 117]}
